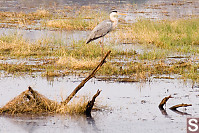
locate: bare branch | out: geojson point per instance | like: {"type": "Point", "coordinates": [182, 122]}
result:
{"type": "Point", "coordinates": [86, 79]}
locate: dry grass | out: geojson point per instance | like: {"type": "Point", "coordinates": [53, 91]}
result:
{"type": "Point", "coordinates": [77, 64]}
{"type": "Point", "coordinates": [15, 45]}
{"type": "Point", "coordinates": [21, 19]}
{"type": "Point", "coordinates": [41, 13]}
{"type": "Point", "coordinates": [31, 102]}
{"type": "Point", "coordinates": [79, 21]}
{"type": "Point", "coordinates": [66, 24]}
{"type": "Point", "coordinates": [77, 106]}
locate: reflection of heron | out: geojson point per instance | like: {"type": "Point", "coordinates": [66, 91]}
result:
{"type": "Point", "coordinates": [104, 28]}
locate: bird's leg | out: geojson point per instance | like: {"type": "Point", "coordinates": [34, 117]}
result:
{"type": "Point", "coordinates": [102, 46]}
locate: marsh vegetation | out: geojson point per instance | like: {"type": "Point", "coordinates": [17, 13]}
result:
{"type": "Point", "coordinates": [164, 42]}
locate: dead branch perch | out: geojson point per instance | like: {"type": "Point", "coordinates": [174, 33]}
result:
{"type": "Point", "coordinates": [180, 105]}
{"type": "Point", "coordinates": [163, 102]}
{"type": "Point", "coordinates": [90, 104]}
{"type": "Point", "coordinates": [86, 79]}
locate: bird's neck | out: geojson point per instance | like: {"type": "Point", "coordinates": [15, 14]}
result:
{"type": "Point", "coordinates": [114, 20]}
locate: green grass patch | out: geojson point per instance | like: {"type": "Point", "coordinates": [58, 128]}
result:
{"type": "Point", "coordinates": [177, 35]}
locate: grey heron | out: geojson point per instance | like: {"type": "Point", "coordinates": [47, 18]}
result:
{"type": "Point", "coordinates": [104, 28]}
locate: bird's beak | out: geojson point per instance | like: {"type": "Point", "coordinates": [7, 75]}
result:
{"type": "Point", "coordinates": [121, 14]}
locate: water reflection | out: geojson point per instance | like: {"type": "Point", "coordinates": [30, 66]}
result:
{"type": "Point", "coordinates": [91, 122]}
{"type": "Point", "coordinates": [164, 112]}
{"type": "Point", "coordinates": [26, 124]}
{"type": "Point", "coordinates": [180, 112]}
{"type": "Point", "coordinates": [30, 124]}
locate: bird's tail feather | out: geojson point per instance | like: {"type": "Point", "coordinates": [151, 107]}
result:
{"type": "Point", "coordinates": [88, 40]}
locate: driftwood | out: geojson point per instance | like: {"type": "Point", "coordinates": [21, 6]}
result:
{"type": "Point", "coordinates": [163, 102]}
{"type": "Point", "coordinates": [86, 79]}
{"type": "Point", "coordinates": [180, 105]}
{"type": "Point", "coordinates": [90, 104]}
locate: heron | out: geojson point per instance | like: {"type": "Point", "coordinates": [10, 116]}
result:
{"type": "Point", "coordinates": [104, 28]}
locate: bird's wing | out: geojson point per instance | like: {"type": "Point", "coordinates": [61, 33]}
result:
{"type": "Point", "coordinates": [100, 30]}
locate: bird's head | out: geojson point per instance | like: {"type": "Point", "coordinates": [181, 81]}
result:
{"type": "Point", "coordinates": [116, 13]}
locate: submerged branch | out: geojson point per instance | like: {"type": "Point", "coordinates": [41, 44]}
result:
{"type": "Point", "coordinates": [90, 104]}
{"type": "Point", "coordinates": [163, 102]}
{"type": "Point", "coordinates": [179, 105]}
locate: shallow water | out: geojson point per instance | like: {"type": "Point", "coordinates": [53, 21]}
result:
{"type": "Point", "coordinates": [131, 107]}
{"type": "Point", "coordinates": [29, 5]}
{"type": "Point", "coordinates": [39, 35]}
{"type": "Point", "coordinates": [164, 9]}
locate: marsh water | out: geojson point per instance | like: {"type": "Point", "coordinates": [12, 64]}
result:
{"type": "Point", "coordinates": [130, 107]}
{"type": "Point", "coordinates": [127, 107]}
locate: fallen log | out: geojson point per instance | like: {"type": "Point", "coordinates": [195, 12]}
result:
{"type": "Point", "coordinates": [90, 104]}
{"type": "Point", "coordinates": [179, 105]}
{"type": "Point", "coordinates": [86, 79]}
{"type": "Point", "coordinates": [163, 102]}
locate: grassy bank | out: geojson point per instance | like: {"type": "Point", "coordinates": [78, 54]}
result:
{"type": "Point", "coordinates": [176, 35]}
